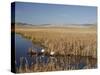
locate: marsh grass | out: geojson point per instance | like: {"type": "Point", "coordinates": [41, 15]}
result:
{"type": "Point", "coordinates": [66, 43]}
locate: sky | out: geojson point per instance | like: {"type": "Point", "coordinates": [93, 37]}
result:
{"type": "Point", "coordinates": [37, 13]}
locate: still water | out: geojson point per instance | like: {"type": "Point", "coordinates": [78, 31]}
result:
{"type": "Point", "coordinates": [21, 48]}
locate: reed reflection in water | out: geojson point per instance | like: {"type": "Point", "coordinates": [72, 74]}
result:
{"type": "Point", "coordinates": [56, 63]}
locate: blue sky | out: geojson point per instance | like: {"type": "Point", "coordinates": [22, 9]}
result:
{"type": "Point", "coordinates": [36, 13]}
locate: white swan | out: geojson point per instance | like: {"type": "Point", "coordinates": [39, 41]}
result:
{"type": "Point", "coordinates": [52, 53]}
{"type": "Point", "coordinates": [42, 50]}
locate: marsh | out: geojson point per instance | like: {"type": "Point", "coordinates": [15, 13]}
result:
{"type": "Point", "coordinates": [63, 61]}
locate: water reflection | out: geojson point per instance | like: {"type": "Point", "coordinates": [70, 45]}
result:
{"type": "Point", "coordinates": [54, 63]}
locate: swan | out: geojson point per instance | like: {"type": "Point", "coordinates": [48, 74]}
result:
{"type": "Point", "coordinates": [52, 53]}
{"type": "Point", "coordinates": [42, 50]}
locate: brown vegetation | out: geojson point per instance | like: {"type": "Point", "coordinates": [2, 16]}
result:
{"type": "Point", "coordinates": [66, 41]}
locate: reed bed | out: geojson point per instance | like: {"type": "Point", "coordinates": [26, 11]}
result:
{"type": "Point", "coordinates": [72, 46]}
{"type": "Point", "coordinates": [64, 41]}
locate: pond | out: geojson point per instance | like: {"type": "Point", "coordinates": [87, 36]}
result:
{"type": "Point", "coordinates": [21, 48]}
{"type": "Point", "coordinates": [22, 45]}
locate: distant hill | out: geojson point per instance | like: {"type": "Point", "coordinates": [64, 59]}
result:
{"type": "Point", "coordinates": [56, 25]}
{"type": "Point", "coordinates": [22, 24]}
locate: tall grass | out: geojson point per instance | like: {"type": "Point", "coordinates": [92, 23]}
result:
{"type": "Point", "coordinates": [64, 41]}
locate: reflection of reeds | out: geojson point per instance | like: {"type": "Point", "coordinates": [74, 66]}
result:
{"type": "Point", "coordinates": [24, 66]}
{"type": "Point", "coordinates": [21, 65]}
{"type": "Point", "coordinates": [56, 64]}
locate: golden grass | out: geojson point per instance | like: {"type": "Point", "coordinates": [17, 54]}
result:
{"type": "Point", "coordinates": [63, 41]}
{"type": "Point", "coordinates": [74, 41]}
